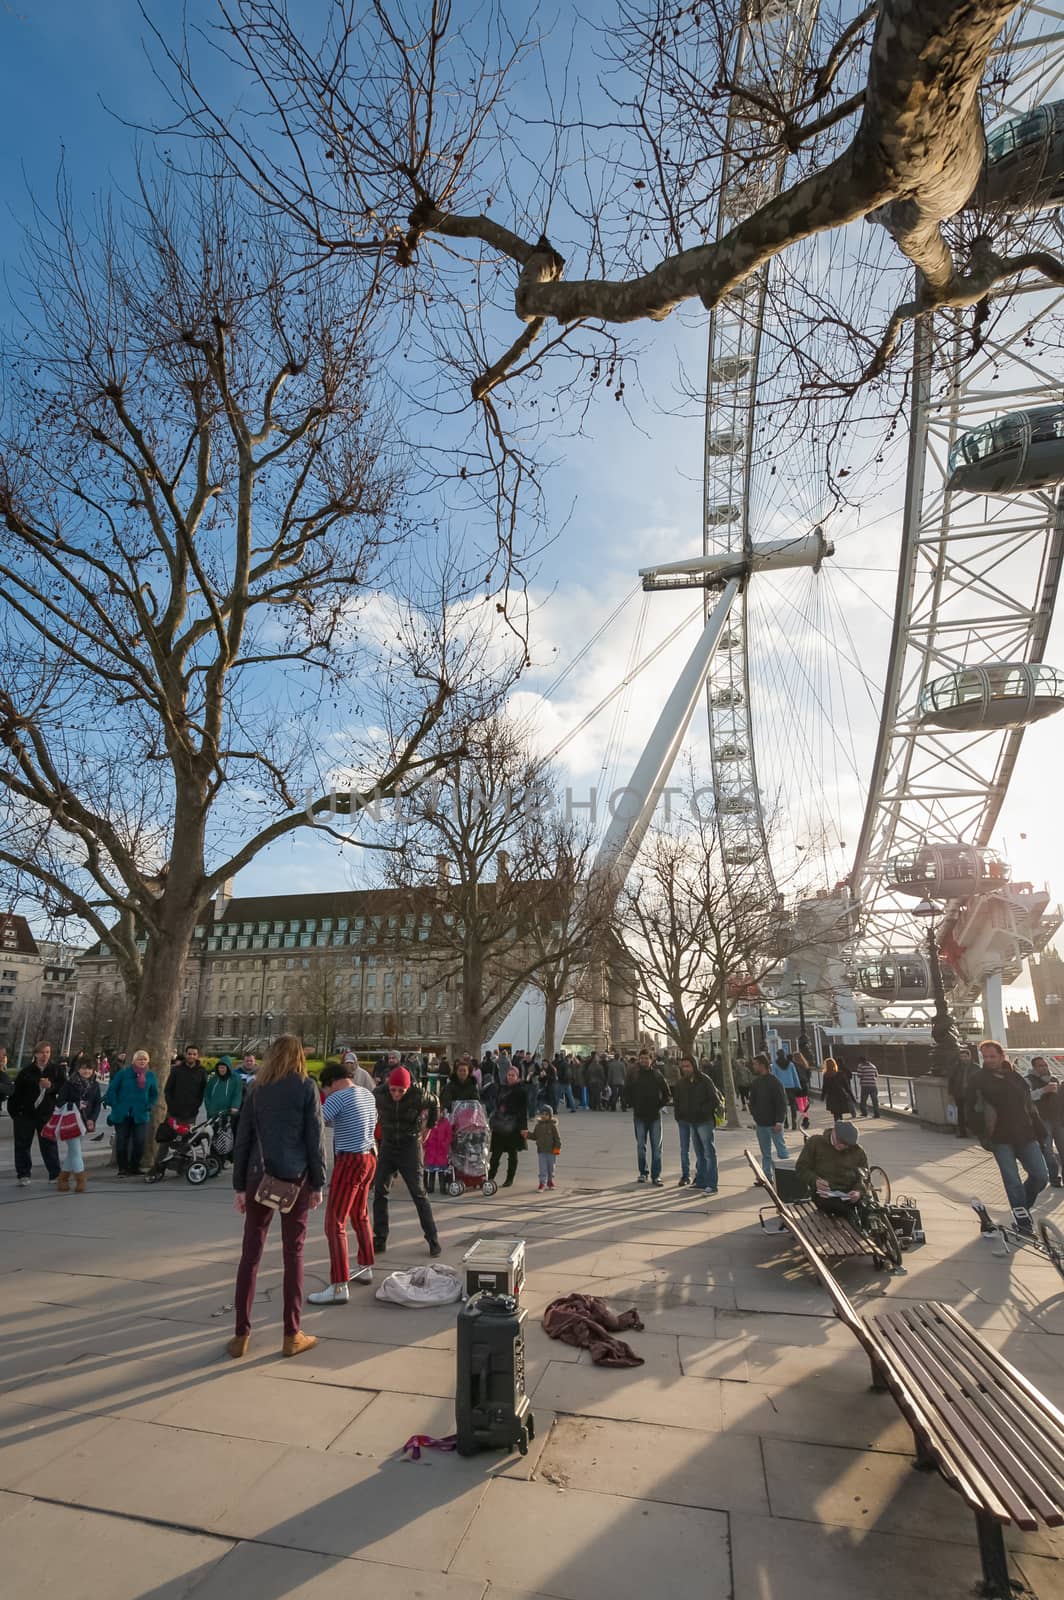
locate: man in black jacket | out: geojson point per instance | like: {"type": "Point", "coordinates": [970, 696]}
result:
{"type": "Point", "coordinates": [696, 1102]}
{"type": "Point", "coordinates": [400, 1105]}
{"type": "Point", "coordinates": [186, 1085]}
{"type": "Point", "coordinates": [646, 1092]}
{"type": "Point", "coordinates": [1000, 1107]}
{"type": "Point", "coordinates": [30, 1104]}
{"type": "Point", "coordinates": [767, 1104]}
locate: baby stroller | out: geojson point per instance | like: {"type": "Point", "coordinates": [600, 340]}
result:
{"type": "Point", "coordinates": [188, 1151]}
{"type": "Point", "coordinates": [470, 1146]}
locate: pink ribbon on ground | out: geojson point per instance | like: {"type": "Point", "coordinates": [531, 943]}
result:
{"type": "Point", "coordinates": [424, 1441]}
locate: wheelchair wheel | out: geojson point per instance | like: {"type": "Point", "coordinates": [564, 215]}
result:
{"type": "Point", "coordinates": [880, 1185]}
{"type": "Point", "coordinates": [1052, 1243]}
{"type": "Point", "coordinates": [881, 1233]}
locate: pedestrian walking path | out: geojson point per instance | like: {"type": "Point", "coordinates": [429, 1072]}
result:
{"type": "Point", "coordinates": [746, 1458]}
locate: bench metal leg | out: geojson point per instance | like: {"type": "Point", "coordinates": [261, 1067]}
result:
{"type": "Point", "coordinates": [997, 1585]}
{"type": "Point", "coordinates": [925, 1460]}
{"type": "Point", "coordinates": [879, 1382]}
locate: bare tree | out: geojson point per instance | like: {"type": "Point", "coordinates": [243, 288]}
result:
{"type": "Point", "coordinates": [564, 933]}
{"type": "Point", "coordinates": [695, 939]}
{"type": "Point", "coordinates": [394, 138]}
{"type": "Point", "coordinates": [480, 851]}
{"type": "Point", "coordinates": [320, 1002]}
{"type": "Point", "coordinates": [203, 557]}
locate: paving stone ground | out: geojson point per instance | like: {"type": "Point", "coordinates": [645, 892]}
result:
{"type": "Point", "coordinates": [746, 1459]}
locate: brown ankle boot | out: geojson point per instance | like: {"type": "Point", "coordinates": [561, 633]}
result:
{"type": "Point", "coordinates": [237, 1345]}
{"type": "Point", "coordinates": [62, 1183]}
{"type": "Point", "coordinates": [79, 1183]}
{"type": "Point", "coordinates": [296, 1343]}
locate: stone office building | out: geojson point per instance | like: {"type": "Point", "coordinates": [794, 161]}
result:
{"type": "Point", "coordinates": [351, 967]}
{"type": "Point", "coordinates": [38, 980]}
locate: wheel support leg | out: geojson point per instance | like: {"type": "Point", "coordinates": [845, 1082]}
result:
{"type": "Point", "coordinates": [879, 1382]}
{"type": "Point", "coordinates": [997, 1584]}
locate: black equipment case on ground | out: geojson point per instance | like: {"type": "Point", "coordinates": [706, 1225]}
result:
{"type": "Point", "coordinates": [491, 1406]}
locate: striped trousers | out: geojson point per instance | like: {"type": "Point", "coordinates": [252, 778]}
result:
{"type": "Point", "coordinates": [348, 1200]}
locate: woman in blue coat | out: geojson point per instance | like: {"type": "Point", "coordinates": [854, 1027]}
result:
{"type": "Point", "coordinates": [130, 1097]}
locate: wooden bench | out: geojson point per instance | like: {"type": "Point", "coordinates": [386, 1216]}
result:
{"type": "Point", "coordinates": [991, 1434]}
{"type": "Point", "coordinates": [833, 1236]}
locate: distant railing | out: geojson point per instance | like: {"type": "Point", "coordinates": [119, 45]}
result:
{"type": "Point", "coordinates": [896, 1094]}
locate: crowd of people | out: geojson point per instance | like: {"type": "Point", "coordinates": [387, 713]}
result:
{"type": "Point", "coordinates": [395, 1122]}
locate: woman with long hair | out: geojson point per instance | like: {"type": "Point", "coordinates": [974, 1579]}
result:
{"type": "Point", "coordinates": [509, 1126]}
{"type": "Point", "coordinates": [835, 1091]}
{"type": "Point", "coordinates": [461, 1085]}
{"type": "Point", "coordinates": [280, 1135]}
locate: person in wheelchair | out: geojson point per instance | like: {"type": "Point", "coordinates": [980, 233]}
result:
{"type": "Point", "coordinates": [833, 1166]}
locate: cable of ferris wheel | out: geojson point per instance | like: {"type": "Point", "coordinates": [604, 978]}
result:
{"type": "Point", "coordinates": [590, 644]}
{"type": "Point", "coordinates": [873, 690]}
{"type": "Point", "coordinates": [625, 682]}
{"type": "Point", "coordinates": [620, 714]}
{"type": "Point", "coordinates": [792, 693]}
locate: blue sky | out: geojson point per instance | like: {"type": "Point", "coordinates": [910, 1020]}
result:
{"type": "Point", "coordinates": [630, 486]}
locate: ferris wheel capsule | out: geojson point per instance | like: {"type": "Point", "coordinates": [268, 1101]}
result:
{"type": "Point", "coordinates": [948, 871]}
{"type": "Point", "coordinates": [734, 805]}
{"type": "Point", "coordinates": [899, 977]}
{"type": "Point", "coordinates": [730, 369]}
{"type": "Point", "coordinates": [722, 513]}
{"type": "Point", "coordinates": [1000, 694]}
{"type": "Point", "coordinates": [729, 750]}
{"type": "Point", "coordinates": [1024, 167]}
{"type": "Point", "coordinates": [724, 443]}
{"type": "Point", "coordinates": [1012, 454]}
{"type": "Point", "coordinates": [762, 11]}
{"type": "Point", "coordinates": [727, 696]}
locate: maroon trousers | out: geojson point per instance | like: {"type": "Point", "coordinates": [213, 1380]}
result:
{"type": "Point", "coordinates": [257, 1221]}
{"type": "Point", "coordinates": [349, 1198]}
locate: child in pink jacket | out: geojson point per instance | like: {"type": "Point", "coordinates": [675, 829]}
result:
{"type": "Point", "coordinates": [438, 1153]}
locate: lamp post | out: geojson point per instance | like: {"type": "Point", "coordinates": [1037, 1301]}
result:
{"type": "Point", "coordinates": [761, 1020]}
{"type": "Point", "coordinates": [803, 1039]}
{"type": "Point", "coordinates": [946, 1049]}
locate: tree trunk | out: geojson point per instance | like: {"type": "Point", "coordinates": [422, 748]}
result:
{"type": "Point", "coordinates": [155, 1016]}
{"type": "Point", "coordinates": [731, 1099]}
{"type": "Point", "coordinates": [550, 1023]}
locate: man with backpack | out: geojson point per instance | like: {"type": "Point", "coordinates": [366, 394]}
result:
{"type": "Point", "coordinates": [697, 1102]}
{"type": "Point", "coordinates": [1001, 1113]}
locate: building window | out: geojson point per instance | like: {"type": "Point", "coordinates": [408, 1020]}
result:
{"type": "Point", "coordinates": [289, 941]}
{"type": "Point", "coordinates": [311, 925]}
{"type": "Point", "coordinates": [274, 941]}
{"type": "Point", "coordinates": [326, 924]}
{"type": "Point", "coordinates": [305, 941]}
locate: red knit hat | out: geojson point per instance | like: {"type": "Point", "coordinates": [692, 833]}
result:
{"type": "Point", "coordinates": [398, 1078]}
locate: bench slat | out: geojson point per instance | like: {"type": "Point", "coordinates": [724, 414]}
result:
{"type": "Point", "coordinates": [959, 1453]}
{"type": "Point", "coordinates": [1025, 1404]}
{"type": "Point", "coordinates": [963, 1421]}
{"type": "Point", "coordinates": [1015, 1428]}
{"type": "Point", "coordinates": [1051, 1414]}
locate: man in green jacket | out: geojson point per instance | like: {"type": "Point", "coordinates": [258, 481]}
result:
{"type": "Point", "coordinates": [831, 1164]}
